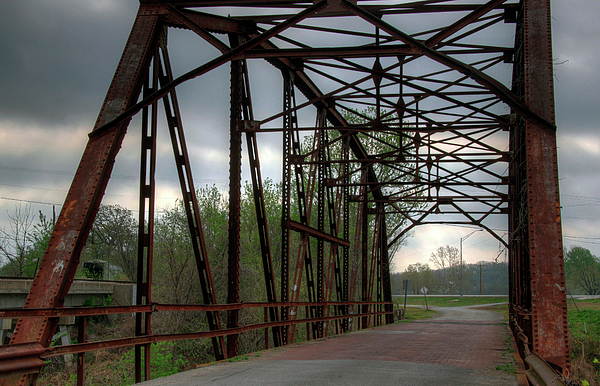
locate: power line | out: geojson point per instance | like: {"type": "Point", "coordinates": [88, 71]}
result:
{"type": "Point", "coordinates": [28, 201]}
{"type": "Point", "coordinates": [587, 242]}
{"type": "Point", "coordinates": [582, 218]}
{"type": "Point", "coordinates": [119, 176]}
{"type": "Point", "coordinates": [580, 197]}
{"type": "Point", "coordinates": [31, 187]}
{"type": "Point", "coordinates": [588, 200]}
{"type": "Point", "coordinates": [581, 237]}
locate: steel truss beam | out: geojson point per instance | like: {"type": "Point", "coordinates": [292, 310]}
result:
{"type": "Point", "coordinates": [411, 128]}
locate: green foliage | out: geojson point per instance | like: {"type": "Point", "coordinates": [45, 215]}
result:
{"type": "Point", "coordinates": [163, 362]}
{"type": "Point", "coordinates": [96, 301]}
{"type": "Point", "coordinates": [582, 270]}
{"type": "Point", "coordinates": [420, 275]}
{"type": "Point", "coordinates": [509, 367]}
{"type": "Point", "coordinates": [494, 278]}
{"type": "Point", "coordinates": [238, 358]}
{"type": "Point", "coordinates": [585, 327]}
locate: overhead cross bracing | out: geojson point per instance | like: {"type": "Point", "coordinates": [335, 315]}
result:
{"type": "Point", "coordinates": [390, 116]}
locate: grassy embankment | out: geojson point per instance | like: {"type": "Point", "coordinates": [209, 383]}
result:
{"type": "Point", "coordinates": [584, 334]}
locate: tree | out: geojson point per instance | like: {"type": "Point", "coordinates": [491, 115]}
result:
{"type": "Point", "coordinates": [447, 261]}
{"type": "Point", "coordinates": [583, 269]}
{"type": "Point", "coordinates": [445, 257]}
{"type": "Point", "coordinates": [22, 245]}
{"type": "Point", "coordinates": [113, 238]}
{"type": "Point", "coordinates": [420, 275]}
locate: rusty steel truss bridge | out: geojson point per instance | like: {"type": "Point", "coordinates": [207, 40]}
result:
{"type": "Point", "coordinates": [391, 115]}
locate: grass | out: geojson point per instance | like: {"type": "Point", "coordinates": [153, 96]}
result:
{"type": "Point", "coordinates": [238, 358]}
{"type": "Point", "coordinates": [509, 367]}
{"type": "Point", "coordinates": [449, 301]}
{"type": "Point", "coordinates": [584, 331]}
{"type": "Point", "coordinates": [589, 304]}
{"type": "Point", "coordinates": [413, 314]}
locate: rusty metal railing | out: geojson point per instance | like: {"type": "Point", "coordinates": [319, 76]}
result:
{"type": "Point", "coordinates": [28, 358]}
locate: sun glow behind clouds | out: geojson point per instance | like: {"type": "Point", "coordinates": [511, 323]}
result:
{"type": "Point", "coordinates": [481, 246]}
{"type": "Point", "coordinates": [24, 138]}
{"type": "Point", "coordinates": [577, 144]}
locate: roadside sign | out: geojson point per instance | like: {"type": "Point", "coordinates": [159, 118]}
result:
{"type": "Point", "coordinates": [424, 290]}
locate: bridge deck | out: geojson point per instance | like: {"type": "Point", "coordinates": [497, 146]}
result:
{"type": "Point", "coordinates": [459, 346]}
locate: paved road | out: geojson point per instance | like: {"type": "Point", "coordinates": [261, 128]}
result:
{"type": "Point", "coordinates": [460, 346]}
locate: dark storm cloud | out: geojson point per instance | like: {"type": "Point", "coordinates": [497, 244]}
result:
{"type": "Point", "coordinates": [575, 34]}
{"type": "Point", "coordinates": [58, 56]}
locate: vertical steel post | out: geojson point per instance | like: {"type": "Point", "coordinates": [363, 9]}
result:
{"type": "Point", "coordinates": [346, 229]}
{"type": "Point", "coordinates": [235, 191]}
{"type": "Point", "coordinates": [537, 284]}
{"type": "Point", "coordinates": [386, 286]}
{"type": "Point", "coordinates": [146, 221]}
{"type": "Point", "coordinates": [321, 197]}
{"type": "Point", "coordinates": [365, 256]}
{"type": "Point", "coordinates": [263, 230]}
{"type": "Point", "coordinates": [286, 194]}
{"type": "Point", "coordinates": [81, 356]}
{"type": "Point", "coordinates": [549, 307]}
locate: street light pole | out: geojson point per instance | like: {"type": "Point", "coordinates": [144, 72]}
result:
{"type": "Point", "coordinates": [461, 260]}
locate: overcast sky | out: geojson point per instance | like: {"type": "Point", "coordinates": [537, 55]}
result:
{"type": "Point", "coordinates": [58, 58]}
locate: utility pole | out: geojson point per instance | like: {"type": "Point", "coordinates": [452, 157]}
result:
{"type": "Point", "coordinates": [480, 286]}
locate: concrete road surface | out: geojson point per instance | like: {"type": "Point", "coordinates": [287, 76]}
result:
{"type": "Point", "coordinates": [460, 346]}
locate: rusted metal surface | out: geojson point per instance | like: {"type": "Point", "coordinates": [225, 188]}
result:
{"type": "Point", "coordinates": [18, 360]}
{"type": "Point", "coordinates": [540, 373]}
{"type": "Point", "coordinates": [145, 226]}
{"type": "Point", "coordinates": [548, 289]}
{"type": "Point", "coordinates": [235, 191]}
{"type": "Point", "coordinates": [431, 150]}
{"type": "Point", "coordinates": [81, 338]}
{"type": "Point", "coordinates": [538, 294]}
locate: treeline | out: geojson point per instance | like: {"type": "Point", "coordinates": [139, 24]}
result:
{"type": "Point", "coordinates": [113, 241]}
{"type": "Point", "coordinates": [582, 274]}
{"type": "Point", "coordinates": [485, 277]}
